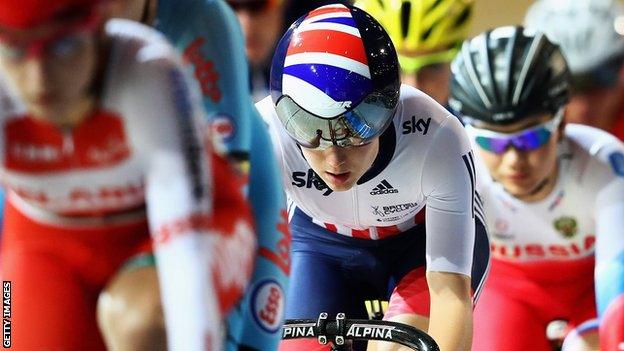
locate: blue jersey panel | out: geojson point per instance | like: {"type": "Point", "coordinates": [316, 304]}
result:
{"type": "Point", "coordinates": [209, 36]}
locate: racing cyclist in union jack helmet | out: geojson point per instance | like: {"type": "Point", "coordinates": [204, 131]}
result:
{"type": "Point", "coordinates": [380, 180]}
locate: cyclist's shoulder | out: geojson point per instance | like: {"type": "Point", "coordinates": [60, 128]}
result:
{"type": "Point", "coordinates": [597, 155]}
{"type": "Point", "coordinates": [135, 46]}
{"type": "Point", "coordinates": [420, 115]}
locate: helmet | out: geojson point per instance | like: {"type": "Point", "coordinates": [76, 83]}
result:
{"type": "Point", "coordinates": [585, 30]}
{"type": "Point", "coordinates": [505, 74]}
{"type": "Point", "coordinates": [335, 78]}
{"type": "Point", "coordinates": [23, 14]}
{"type": "Point", "coordinates": [422, 25]}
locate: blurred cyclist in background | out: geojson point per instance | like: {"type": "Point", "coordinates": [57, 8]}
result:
{"type": "Point", "coordinates": [103, 132]}
{"type": "Point", "coordinates": [207, 33]}
{"type": "Point", "coordinates": [427, 35]}
{"type": "Point", "coordinates": [262, 22]}
{"type": "Point", "coordinates": [380, 180]}
{"type": "Point", "coordinates": [590, 34]}
{"type": "Point", "coordinates": [549, 189]}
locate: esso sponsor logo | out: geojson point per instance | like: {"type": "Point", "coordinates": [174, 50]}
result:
{"type": "Point", "coordinates": [267, 304]}
{"type": "Point", "coordinates": [223, 127]}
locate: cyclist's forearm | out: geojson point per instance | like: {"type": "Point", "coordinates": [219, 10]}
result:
{"type": "Point", "coordinates": [450, 322]}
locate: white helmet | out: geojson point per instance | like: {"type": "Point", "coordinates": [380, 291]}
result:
{"type": "Point", "coordinates": [586, 30]}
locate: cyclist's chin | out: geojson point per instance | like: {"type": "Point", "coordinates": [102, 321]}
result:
{"type": "Point", "coordinates": [521, 187]}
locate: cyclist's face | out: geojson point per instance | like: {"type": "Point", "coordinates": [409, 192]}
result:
{"type": "Point", "coordinates": [261, 21]}
{"type": "Point", "coordinates": [527, 175]}
{"type": "Point", "coordinates": [340, 168]}
{"type": "Point", "coordinates": [433, 80]}
{"type": "Point", "coordinates": [51, 66]}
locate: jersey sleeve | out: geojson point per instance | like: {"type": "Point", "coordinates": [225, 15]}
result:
{"type": "Point", "coordinates": [208, 35]}
{"type": "Point", "coordinates": [448, 182]}
{"type": "Point", "coordinates": [199, 221]}
{"type": "Point", "coordinates": [609, 216]}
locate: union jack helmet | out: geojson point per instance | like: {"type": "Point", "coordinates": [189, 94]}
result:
{"type": "Point", "coordinates": [335, 78]}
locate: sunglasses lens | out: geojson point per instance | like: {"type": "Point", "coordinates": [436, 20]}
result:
{"type": "Point", "coordinates": [528, 141]}
{"type": "Point", "coordinates": [532, 140]}
{"type": "Point", "coordinates": [495, 145]}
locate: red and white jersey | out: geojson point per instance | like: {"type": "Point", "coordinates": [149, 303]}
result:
{"type": "Point", "coordinates": [144, 145]}
{"type": "Point", "coordinates": [586, 202]}
{"type": "Point", "coordinates": [424, 160]}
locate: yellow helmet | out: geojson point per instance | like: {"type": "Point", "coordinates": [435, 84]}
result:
{"type": "Point", "coordinates": [422, 25]}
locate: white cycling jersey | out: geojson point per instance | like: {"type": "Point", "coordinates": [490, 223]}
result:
{"type": "Point", "coordinates": [425, 160]}
{"type": "Point", "coordinates": [588, 200]}
{"type": "Point", "coordinates": [144, 145]}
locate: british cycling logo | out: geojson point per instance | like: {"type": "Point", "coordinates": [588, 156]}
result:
{"type": "Point", "coordinates": [267, 304]}
{"type": "Point", "coordinates": [384, 188]}
{"type": "Point", "coordinates": [368, 331]}
{"type": "Point", "coordinates": [421, 125]}
{"type": "Point", "coordinates": [309, 179]}
{"type": "Point", "coordinates": [383, 211]}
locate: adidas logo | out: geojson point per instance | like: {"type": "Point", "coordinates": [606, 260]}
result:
{"type": "Point", "coordinates": [383, 188]}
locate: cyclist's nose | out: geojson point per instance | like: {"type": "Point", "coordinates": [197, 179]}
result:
{"type": "Point", "coordinates": [335, 156]}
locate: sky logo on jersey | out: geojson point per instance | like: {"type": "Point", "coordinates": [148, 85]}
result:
{"type": "Point", "coordinates": [384, 188]}
{"type": "Point", "coordinates": [267, 304]}
{"type": "Point", "coordinates": [617, 163]}
{"type": "Point", "coordinates": [324, 60]}
{"type": "Point", "coordinates": [309, 180]}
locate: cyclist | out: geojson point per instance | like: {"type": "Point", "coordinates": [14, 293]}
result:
{"type": "Point", "coordinates": [98, 122]}
{"type": "Point", "coordinates": [427, 35]}
{"type": "Point", "coordinates": [209, 36]}
{"type": "Point", "coordinates": [549, 189]}
{"type": "Point", "coordinates": [590, 33]}
{"type": "Point", "coordinates": [362, 157]}
{"type": "Point", "coordinates": [262, 22]}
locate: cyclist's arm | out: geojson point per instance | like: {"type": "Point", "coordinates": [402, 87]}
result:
{"type": "Point", "coordinates": [609, 278]}
{"type": "Point", "coordinates": [448, 181]}
{"type": "Point", "coordinates": [209, 35]}
{"type": "Point", "coordinates": [201, 226]}
{"type": "Point", "coordinates": [451, 299]}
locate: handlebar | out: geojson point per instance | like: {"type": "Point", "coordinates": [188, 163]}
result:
{"type": "Point", "coordinates": [342, 329]}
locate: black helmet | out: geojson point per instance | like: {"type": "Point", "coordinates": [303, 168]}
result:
{"type": "Point", "coordinates": [505, 74]}
{"type": "Point", "coordinates": [335, 78]}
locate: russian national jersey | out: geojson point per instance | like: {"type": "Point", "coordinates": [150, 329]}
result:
{"type": "Point", "coordinates": [564, 225]}
{"type": "Point", "coordinates": [553, 242]}
{"type": "Point", "coordinates": [143, 146]}
{"type": "Point", "coordinates": [208, 34]}
{"type": "Point", "coordinates": [425, 160]}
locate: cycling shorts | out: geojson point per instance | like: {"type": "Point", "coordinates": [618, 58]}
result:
{"type": "Point", "coordinates": [334, 273]}
{"type": "Point", "coordinates": [520, 300]}
{"type": "Point", "coordinates": [56, 275]}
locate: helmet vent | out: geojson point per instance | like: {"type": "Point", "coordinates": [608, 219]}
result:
{"type": "Point", "coordinates": [463, 17]}
{"type": "Point", "coordinates": [435, 4]}
{"type": "Point", "coordinates": [406, 11]}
